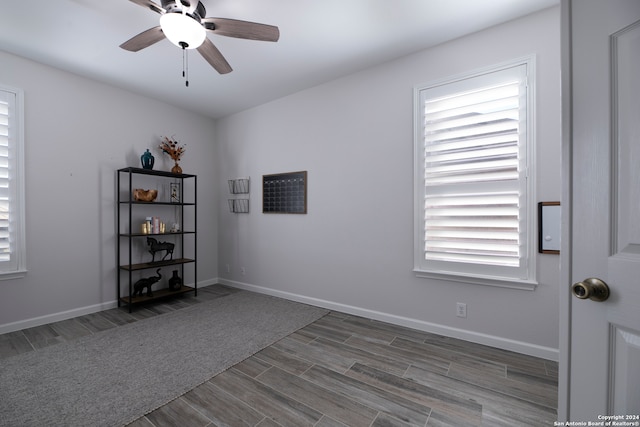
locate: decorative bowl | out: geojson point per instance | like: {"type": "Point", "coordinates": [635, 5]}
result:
{"type": "Point", "coordinates": [140, 195]}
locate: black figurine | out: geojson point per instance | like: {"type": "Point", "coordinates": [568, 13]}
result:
{"type": "Point", "coordinates": [155, 246]}
{"type": "Point", "coordinates": [146, 282]}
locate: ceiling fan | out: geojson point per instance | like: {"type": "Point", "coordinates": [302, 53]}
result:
{"type": "Point", "coordinates": [183, 22]}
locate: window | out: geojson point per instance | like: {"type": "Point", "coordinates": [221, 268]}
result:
{"type": "Point", "coordinates": [473, 189]}
{"type": "Point", "coordinates": [12, 235]}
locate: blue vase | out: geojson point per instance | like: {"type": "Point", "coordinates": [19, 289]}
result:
{"type": "Point", "coordinates": [147, 160]}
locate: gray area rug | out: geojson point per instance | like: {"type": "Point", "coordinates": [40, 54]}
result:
{"type": "Point", "coordinates": [116, 376]}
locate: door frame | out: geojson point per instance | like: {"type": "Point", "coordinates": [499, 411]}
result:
{"type": "Point", "coordinates": [564, 345]}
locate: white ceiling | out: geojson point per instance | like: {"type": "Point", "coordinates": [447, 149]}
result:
{"type": "Point", "coordinates": [320, 40]}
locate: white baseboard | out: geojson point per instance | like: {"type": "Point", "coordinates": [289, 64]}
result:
{"type": "Point", "coordinates": [56, 317]}
{"type": "Point", "coordinates": [69, 314]}
{"type": "Point", "coordinates": [205, 283]}
{"type": "Point", "coordinates": [463, 334]}
{"type": "Point", "coordinates": [485, 339]}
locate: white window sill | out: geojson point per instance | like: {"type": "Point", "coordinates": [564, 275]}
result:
{"type": "Point", "coordinates": [10, 275]}
{"type": "Point", "coordinates": [501, 282]}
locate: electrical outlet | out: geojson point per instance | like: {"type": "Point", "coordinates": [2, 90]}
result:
{"type": "Point", "coordinates": [242, 270]}
{"type": "Point", "coordinates": [461, 309]}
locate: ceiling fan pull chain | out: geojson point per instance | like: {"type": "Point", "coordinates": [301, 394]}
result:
{"type": "Point", "coordinates": [185, 64]}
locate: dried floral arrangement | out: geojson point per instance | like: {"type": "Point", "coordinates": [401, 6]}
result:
{"type": "Point", "coordinates": [172, 147]}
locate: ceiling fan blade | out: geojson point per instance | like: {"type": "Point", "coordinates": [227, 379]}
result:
{"type": "Point", "coordinates": [144, 39]}
{"type": "Point", "coordinates": [149, 5]}
{"type": "Point", "coordinates": [214, 57]}
{"type": "Point", "coordinates": [242, 29]}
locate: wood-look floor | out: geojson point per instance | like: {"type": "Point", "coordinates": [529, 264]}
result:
{"type": "Point", "coordinates": [341, 370]}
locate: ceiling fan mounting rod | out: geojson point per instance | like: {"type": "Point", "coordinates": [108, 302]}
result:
{"type": "Point", "coordinates": [197, 12]}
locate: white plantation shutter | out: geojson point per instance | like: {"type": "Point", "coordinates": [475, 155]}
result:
{"type": "Point", "coordinates": [11, 181]}
{"type": "Point", "coordinates": [472, 197]}
{"type": "Point", "coordinates": [5, 251]}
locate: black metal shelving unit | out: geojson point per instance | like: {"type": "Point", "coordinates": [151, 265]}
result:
{"type": "Point", "coordinates": [125, 210]}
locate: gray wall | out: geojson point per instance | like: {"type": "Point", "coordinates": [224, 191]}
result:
{"type": "Point", "coordinates": [353, 250]}
{"type": "Point", "coordinates": [77, 133]}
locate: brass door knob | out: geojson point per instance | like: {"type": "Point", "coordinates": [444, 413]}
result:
{"type": "Point", "coordinates": [592, 288]}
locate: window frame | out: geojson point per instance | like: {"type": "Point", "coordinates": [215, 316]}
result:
{"type": "Point", "coordinates": [488, 277]}
{"type": "Point", "coordinates": [16, 268]}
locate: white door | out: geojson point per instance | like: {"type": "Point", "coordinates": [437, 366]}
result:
{"type": "Point", "coordinates": [604, 368]}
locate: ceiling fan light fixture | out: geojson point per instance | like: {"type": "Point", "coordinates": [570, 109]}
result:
{"type": "Point", "coordinates": [183, 30]}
